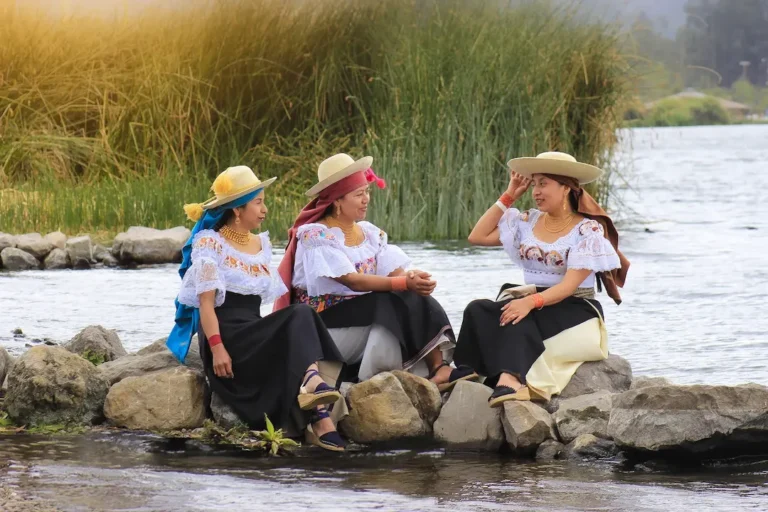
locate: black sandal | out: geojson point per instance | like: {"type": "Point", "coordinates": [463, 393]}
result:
{"type": "Point", "coordinates": [331, 441]}
{"type": "Point", "coordinates": [461, 372]}
{"type": "Point", "coordinates": [322, 395]}
{"type": "Point", "coordinates": [503, 394]}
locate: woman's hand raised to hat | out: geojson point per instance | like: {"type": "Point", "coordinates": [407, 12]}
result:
{"type": "Point", "coordinates": [518, 184]}
{"type": "Point", "coordinates": [420, 282]}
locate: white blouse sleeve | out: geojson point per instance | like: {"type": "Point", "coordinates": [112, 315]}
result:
{"type": "Point", "coordinates": [509, 232]}
{"type": "Point", "coordinates": [323, 257]}
{"type": "Point", "coordinates": [276, 287]}
{"type": "Point", "coordinates": [203, 275]}
{"type": "Point", "coordinates": [593, 251]}
{"type": "Point", "coordinates": [388, 257]}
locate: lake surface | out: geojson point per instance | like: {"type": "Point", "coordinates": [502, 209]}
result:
{"type": "Point", "coordinates": [696, 231]}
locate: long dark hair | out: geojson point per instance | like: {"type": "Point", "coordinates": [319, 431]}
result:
{"type": "Point", "coordinates": [224, 219]}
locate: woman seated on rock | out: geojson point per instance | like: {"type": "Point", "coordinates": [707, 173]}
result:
{"type": "Point", "coordinates": [531, 340]}
{"type": "Point", "coordinates": [380, 316]}
{"type": "Point", "coordinates": [258, 366]}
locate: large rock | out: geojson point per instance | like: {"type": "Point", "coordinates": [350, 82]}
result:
{"type": "Point", "coordinates": [613, 374]}
{"type": "Point", "coordinates": [34, 244]}
{"type": "Point", "coordinates": [424, 396]}
{"type": "Point", "coordinates": [16, 259]}
{"type": "Point", "coordinates": [136, 365]}
{"type": "Point", "coordinates": [223, 413]}
{"type": "Point", "coordinates": [6, 363]}
{"type": "Point", "coordinates": [147, 245]}
{"type": "Point", "coordinates": [695, 420]}
{"type": "Point", "coordinates": [109, 261]}
{"type": "Point", "coordinates": [57, 239]}
{"type": "Point", "coordinates": [380, 410]}
{"type": "Point", "coordinates": [50, 385]}
{"type": "Point", "coordinates": [80, 251]}
{"type": "Point", "coordinates": [98, 341]}
{"type": "Point", "coordinates": [526, 426]}
{"type": "Point", "coordinates": [100, 252]}
{"type": "Point", "coordinates": [586, 414]}
{"type": "Point", "coordinates": [192, 360]}
{"type": "Point", "coordinates": [57, 259]}
{"type": "Point", "coordinates": [550, 450]}
{"type": "Point", "coordinates": [168, 400]}
{"type": "Point", "coordinates": [7, 240]}
{"type": "Point", "coordinates": [646, 382]}
{"type": "Point", "coordinates": [587, 446]}
{"type": "Point", "coordinates": [467, 422]}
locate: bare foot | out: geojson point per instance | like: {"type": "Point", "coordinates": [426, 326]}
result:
{"type": "Point", "coordinates": [505, 379]}
{"type": "Point", "coordinates": [442, 376]}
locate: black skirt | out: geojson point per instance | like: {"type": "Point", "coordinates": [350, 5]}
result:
{"type": "Point", "coordinates": [418, 322]}
{"type": "Point", "coordinates": [269, 358]}
{"type": "Point", "coordinates": [492, 349]}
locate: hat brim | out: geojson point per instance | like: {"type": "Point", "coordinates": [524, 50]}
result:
{"type": "Point", "coordinates": [216, 202]}
{"type": "Point", "coordinates": [360, 165]}
{"type": "Point", "coordinates": [528, 166]}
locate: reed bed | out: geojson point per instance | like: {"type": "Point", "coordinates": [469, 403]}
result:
{"type": "Point", "coordinates": [108, 123]}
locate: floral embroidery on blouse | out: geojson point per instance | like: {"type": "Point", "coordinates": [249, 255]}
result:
{"type": "Point", "coordinates": [207, 242]}
{"type": "Point", "coordinates": [367, 266]}
{"type": "Point", "coordinates": [314, 233]}
{"type": "Point", "coordinates": [590, 226]}
{"type": "Point", "coordinates": [555, 259]}
{"type": "Point", "coordinates": [251, 270]}
{"type": "Point", "coordinates": [318, 302]}
{"type": "Point", "coordinates": [524, 216]}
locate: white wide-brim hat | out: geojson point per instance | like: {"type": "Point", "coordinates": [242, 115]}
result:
{"type": "Point", "coordinates": [233, 183]}
{"type": "Point", "coordinates": [555, 162]}
{"type": "Point", "coordinates": [336, 168]}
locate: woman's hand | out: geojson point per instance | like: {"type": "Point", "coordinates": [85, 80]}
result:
{"type": "Point", "coordinates": [222, 363]}
{"type": "Point", "coordinates": [518, 184]}
{"type": "Point", "coordinates": [420, 282]}
{"type": "Point", "coordinates": [515, 310]}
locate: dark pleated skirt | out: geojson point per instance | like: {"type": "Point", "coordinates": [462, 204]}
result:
{"type": "Point", "coordinates": [269, 358]}
{"type": "Point", "coordinates": [491, 349]}
{"type": "Point", "coordinates": [417, 322]}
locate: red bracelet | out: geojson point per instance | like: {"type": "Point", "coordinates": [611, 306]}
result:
{"type": "Point", "coordinates": [399, 283]}
{"type": "Point", "coordinates": [538, 300]}
{"type": "Point", "coordinates": [507, 200]}
{"type": "Point", "coordinates": [214, 340]}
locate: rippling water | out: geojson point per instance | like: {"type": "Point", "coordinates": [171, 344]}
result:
{"type": "Point", "coordinates": [693, 226]}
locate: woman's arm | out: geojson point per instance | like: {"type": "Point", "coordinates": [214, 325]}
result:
{"type": "Point", "coordinates": [515, 310]}
{"type": "Point", "coordinates": [486, 231]}
{"type": "Point", "coordinates": [222, 363]}
{"type": "Point", "coordinates": [416, 281]}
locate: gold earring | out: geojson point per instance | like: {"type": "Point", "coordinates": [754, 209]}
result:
{"type": "Point", "coordinates": [338, 210]}
{"type": "Point", "coordinates": [237, 220]}
{"type": "Point", "coordinates": [565, 202]}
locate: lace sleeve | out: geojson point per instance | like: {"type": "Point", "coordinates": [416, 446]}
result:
{"type": "Point", "coordinates": [389, 257]}
{"type": "Point", "coordinates": [323, 257]}
{"type": "Point", "coordinates": [509, 232]}
{"type": "Point", "coordinates": [593, 251]}
{"type": "Point", "coordinates": [203, 276]}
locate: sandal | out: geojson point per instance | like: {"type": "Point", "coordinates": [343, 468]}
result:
{"type": "Point", "coordinates": [503, 394]}
{"type": "Point", "coordinates": [331, 441]}
{"type": "Point", "coordinates": [461, 372]}
{"type": "Point", "coordinates": [322, 395]}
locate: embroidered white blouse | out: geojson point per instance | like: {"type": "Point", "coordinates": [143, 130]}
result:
{"type": "Point", "coordinates": [584, 247]}
{"type": "Point", "coordinates": [216, 265]}
{"type": "Point", "coordinates": [321, 256]}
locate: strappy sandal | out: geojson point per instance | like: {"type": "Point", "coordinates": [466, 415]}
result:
{"type": "Point", "coordinates": [461, 372]}
{"type": "Point", "coordinates": [331, 441]}
{"type": "Point", "coordinates": [322, 395]}
{"type": "Point", "coordinates": [503, 394]}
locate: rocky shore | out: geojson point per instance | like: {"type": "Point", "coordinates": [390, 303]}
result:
{"type": "Point", "coordinates": [603, 412]}
{"type": "Point", "coordinates": [54, 251]}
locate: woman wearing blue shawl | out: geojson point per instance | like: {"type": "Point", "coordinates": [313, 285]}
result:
{"type": "Point", "coordinates": [257, 365]}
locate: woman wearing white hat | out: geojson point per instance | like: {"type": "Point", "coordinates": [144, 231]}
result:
{"type": "Point", "coordinates": [254, 364]}
{"type": "Point", "coordinates": [380, 316]}
{"type": "Point", "coordinates": [531, 340]}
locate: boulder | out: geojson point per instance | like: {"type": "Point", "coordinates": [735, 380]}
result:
{"type": "Point", "coordinates": [550, 450]}
{"type": "Point", "coordinates": [136, 365]}
{"type": "Point", "coordinates": [646, 382]}
{"type": "Point", "coordinates": [526, 426]}
{"type": "Point", "coordinates": [587, 446]}
{"type": "Point", "coordinates": [698, 421]}
{"type": "Point", "coordinates": [192, 360]}
{"type": "Point", "coordinates": [109, 261]}
{"type": "Point", "coordinates": [223, 413]}
{"type": "Point", "coordinates": [467, 422]}
{"type": "Point", "coordinates": [613, 374]}
{"type": "Point", "coordinates": [380, 410]}
{"type": "Point", "coordinates": [586, 414]}
{"type": "Point", "coordinates": [57, 259]}
{"type": "Point", "coordinates": [16, 259]}
{"type": "Point", "coordinates": [6, 363]}
{"type": "Point", "coordinates": [167, 400]}
{"type": "Point", "coordinates": [100, 252]}
{"type": "Point", "coordinates": [147, 245]}
{"type": "Point", "coordinates": [80, 251]}
{"type": "Point", "coordinates": [57, 239]}
{"type": "Point", "coordinates": [34, 244]}
{"type": "Point", "coordinates": [98, 341]}
{"type": "Point", "coordinates": [7, 240]}
{"type": "Point", "coordinates": [50, 385]}
{"type": "Point", "coordinates": [424, 396]}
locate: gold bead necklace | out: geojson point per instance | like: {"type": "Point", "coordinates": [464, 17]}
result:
{"type": "Point", "coordinates": [235, 236]}
{"type": "Point", "coordinates": [557, 227]}
{"type": "Point", "coordinates": [353, 234]}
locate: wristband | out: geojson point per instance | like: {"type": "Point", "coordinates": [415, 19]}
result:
{"type": "Point", "coordinates": [214, 340]}
{"type": "Point", "coordinates": [507, 200]}
{"type": "Point", "coordinates": [538, 301]}
{"type": "Point", "coordinates": [501, 205]}
{"type": "Point", "coordinates": [399, 283]}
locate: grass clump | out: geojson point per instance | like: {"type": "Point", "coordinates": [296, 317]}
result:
{"type": "Point", "coordinates": [271, 441]}
{"type": "Point", "coordinates": [94, 358]}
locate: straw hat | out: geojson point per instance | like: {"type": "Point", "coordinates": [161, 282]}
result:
{"type": "Point", "coordinates": [336, 168]}
{"type": "Point", "coordinates": [554, 162]}
{"type": "Point", "coordinates": [233, 183]}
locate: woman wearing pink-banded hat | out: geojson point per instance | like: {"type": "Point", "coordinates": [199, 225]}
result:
{"type": "Point", "coordinates": [380, 315]}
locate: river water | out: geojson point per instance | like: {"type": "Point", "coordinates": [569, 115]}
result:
{"type": "Point", "coordinates": [696, 231]}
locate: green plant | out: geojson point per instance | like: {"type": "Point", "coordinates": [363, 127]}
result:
{"type": "Point", "coordinates": [271, 441]}
{"type": "Point", "coordinates": [93, 357]}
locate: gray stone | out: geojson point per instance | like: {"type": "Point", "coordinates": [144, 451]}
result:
{"type": "Point", "coordinates": [613, 374]}
{"type": "Point", "coordinates": [50, 385]}
{"type": "Point", "coordinates": [550, 450]}
{"type": "Point", "coordinates": [424, 396]}
{"type": "Point", "coordinates": [80, 251]}
{"type": "Point", "coordinates": [16, 259]}
{"type": "Point", "coordinates": [98, 341]}
{"type": "Point", "coordinates": [467, 422]}
{"type": "Point", "coordinates": [587, 446]}
{"type": "Point", "coordinates": [147, 245]}
{"type": "Point", "coordinates": [526, 426]}
{"type": "Point", "coordinates": [7, 240]}
{"type": "Point", "coordinates": [57, 259]}
{"type": "Point", "coordinates": [109, 261]}
{"type": "Point", "coordinates": [137, 365]}
{"type": "Point", "coordinates": [99, 252]}
{"type": "Point", "coordinates": [380, 410]}
{"type": "Point", "coordinates": [646, 382]}
{"type": "Point", "coordinates": [57, 239]}
{"type": "Point", "coordinates": [167, 400]}
{"type": "Point", "coordinates": [586, 414]}
{"type": "Point", "coordinates": [695, 420]}
{"type": "Point", "coordinates": [6, 364]}
{"type": "Point", "coordinates": [223, 413]}
{"type": "Point", "coordinates": [193, 359]}
{"type": "Point", "coordinates": [34, 244]}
